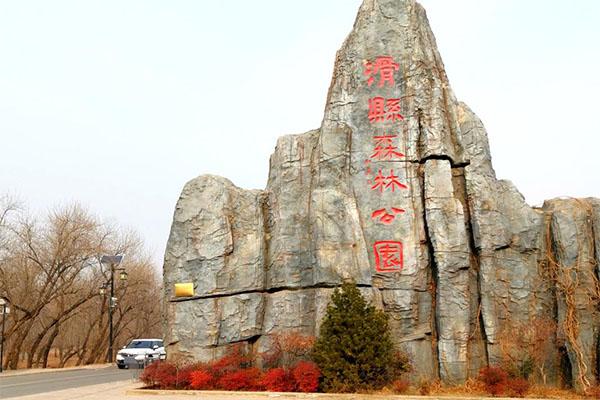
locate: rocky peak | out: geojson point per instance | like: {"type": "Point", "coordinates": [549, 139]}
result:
{"type": "Point", "coordinates": [395, 191]}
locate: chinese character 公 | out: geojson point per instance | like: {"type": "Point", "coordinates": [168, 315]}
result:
{"type": "Point", "coordinates": [385, 217]}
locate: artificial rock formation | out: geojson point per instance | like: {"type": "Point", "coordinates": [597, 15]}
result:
{"type": "Point", "coordinates": [477, 266]}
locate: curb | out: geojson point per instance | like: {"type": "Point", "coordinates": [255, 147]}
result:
{"type": "Point", "coordinates": [271, 395]}
{"type": "Point", "coordinates": [21, 372]}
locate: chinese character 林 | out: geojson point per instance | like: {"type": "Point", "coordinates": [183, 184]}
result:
{"type": "Point", "coordinates": [382, 182]}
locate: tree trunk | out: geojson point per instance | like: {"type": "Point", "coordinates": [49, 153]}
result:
{"type": "Point", "coordinates": [12, 361]}
{"type": "Point", "coordinates": [34, 348]}
{"type": "Point", "coordinates": [48, 346]}
{"type": "Point", "coordinates": [66, 356]}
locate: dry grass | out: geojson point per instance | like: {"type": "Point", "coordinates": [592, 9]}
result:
{"type": "Point", "coordinates": [472, 387]}
{"type": "Point", "coordinates": [435, 388]}
{"type": "Point", "coordinates": [553, 393]}
{"type": "Point", "coordinates": [53, 361]}
{"type": "Point", "coordinates": [475, 388]}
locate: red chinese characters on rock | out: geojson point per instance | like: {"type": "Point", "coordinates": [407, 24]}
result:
{"type": "Point", "coordinates": [386, 217]}
{"type": "Point", "coordinates": [382, 182]}
{"type": "Point", "coordinates": [389, 256]}
{"type": "Point", "coordinates": [368, 167]}
{"type": "Point", "coordinates": [385, 149]}
{"type": "Point", "coordinates": [381, 109]}
{"type": "Point", "coordinates": [385, 67]}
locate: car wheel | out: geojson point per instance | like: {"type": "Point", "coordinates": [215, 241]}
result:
{"type": "Point", "coordinates": [120, 366]}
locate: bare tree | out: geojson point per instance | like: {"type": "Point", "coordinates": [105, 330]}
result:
{"type": "Point", "coordinates": [50, 273]}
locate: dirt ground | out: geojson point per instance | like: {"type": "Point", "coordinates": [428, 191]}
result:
{"type": "Point", "coordinates": [53, 360]}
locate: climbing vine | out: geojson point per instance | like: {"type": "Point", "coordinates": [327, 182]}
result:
{"type": "Point", "coordinates": [571, 280]}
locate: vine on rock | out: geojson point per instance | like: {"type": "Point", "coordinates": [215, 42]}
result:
{"type": "Point", "coordinates": [571, 279]}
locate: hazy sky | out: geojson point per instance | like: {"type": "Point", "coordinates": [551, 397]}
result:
{"type": "Point", "coordinates": [116, 104]}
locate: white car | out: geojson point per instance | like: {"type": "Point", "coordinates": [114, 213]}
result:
{"type": "Point", "coordinates": [141, 352]}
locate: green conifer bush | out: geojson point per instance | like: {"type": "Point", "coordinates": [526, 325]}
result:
{"type": "Point", "coordinates": [354, 350]}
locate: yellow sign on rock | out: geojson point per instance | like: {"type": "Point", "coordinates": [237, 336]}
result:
{"type": "Point", "coordinates": [184, 289]}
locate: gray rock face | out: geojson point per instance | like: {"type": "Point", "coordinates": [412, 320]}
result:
{"type": "Point", "coordinates": [395, 191]}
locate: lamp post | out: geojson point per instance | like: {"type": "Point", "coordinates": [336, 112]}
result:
{"type": "Point", "coordinates": [112, 262]}
{"type": "Point", "coordinates": [5, 310]}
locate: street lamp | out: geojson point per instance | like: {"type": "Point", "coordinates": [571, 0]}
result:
{"type": "Point", "coordinates": [112, 262]}
{"type": "Point", "coordinates": [122, 274]}
{"type": "Point", "coordinates": [5, 310]}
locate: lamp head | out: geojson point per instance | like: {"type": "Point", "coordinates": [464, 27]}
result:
{"type": "Point", "coordinates": [111, 260]}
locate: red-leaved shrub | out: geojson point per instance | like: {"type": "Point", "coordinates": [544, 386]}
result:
{"type": "Point", "coordinates": [306, 375]}
{"type": "Point", "coordinates": [232, 372]}
{"type": "Point", "coordinates": [233, 360]}
{"type": "Point", "coordinates": [166, 375]}
{"type": "Point", "coordinates": [243, 379]}
{"type": "Point", "coordinates": [278, 380]}
{"type": "Point", "coordinates": [517, 387]}
{"type": "Point", "coordinates": [286, 349]}
{"type": "Point", "coordinates": [400, 386]}
{"type": "Point", "coordinates": [202, 380]}
{"type": "Point", "coordinates": [160, 374]}
{"type": "Point", "coordinates": [183, 378]}
{"type": "Point", "coordinates": [148, 376]}
{"type": "Point", "coordinates": [494, 379]}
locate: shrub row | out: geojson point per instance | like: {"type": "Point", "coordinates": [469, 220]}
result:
{"type": "Point", "coordinates": [498, 382]}
{"type": "Point", "coordinates": [223, 375]}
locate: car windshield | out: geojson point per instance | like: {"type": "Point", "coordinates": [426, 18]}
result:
{"type": "Point", "coordinates": [141, 344]}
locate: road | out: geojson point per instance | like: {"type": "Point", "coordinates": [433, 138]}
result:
{"type": "Point", "coordinates": [44, 382]}
{"type": "Point", "coordinates": [118, 385]}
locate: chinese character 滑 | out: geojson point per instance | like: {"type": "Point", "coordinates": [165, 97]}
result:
{"type": "Point", "coordinates": [385, 67]}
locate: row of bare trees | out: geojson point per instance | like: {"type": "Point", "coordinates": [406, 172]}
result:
{"type": "Point", "coordinates": [50, 275]}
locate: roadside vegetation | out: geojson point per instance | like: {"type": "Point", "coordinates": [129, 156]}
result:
{"type": "Point", "coordinates": [287, 368]}
{"type": "Point", "coordinates": [354, 353]}
{"type": "Point", "coordinates": [354, 350]}
{"type": "Point", "coordinates": [51, 276]}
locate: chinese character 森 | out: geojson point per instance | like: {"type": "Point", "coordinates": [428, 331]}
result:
{"type": "Point", "coordinates": [385, 149]}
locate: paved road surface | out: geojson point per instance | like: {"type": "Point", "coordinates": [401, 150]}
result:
{"type": "Point", "coordinates": [44, 382]}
